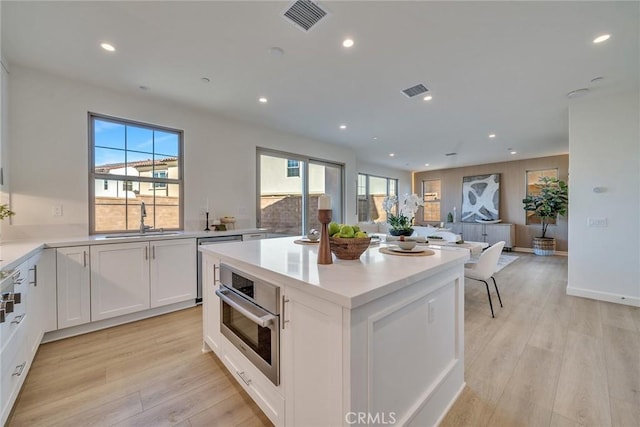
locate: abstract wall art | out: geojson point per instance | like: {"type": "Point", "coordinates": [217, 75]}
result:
{"type": "Point", "coordinates": [480, 198]}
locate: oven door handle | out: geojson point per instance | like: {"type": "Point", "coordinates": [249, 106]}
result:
{"type": "Point", "coordinates": [252, 312]}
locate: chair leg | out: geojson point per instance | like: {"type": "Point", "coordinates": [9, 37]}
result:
{"type": "Point", "coordinates": [497, 291]}
{"type": "Point", "coordinates": [489, 295]}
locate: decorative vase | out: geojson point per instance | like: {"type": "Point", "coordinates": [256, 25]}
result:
{"type": "Point", "coordinates": [544, 246]}
{"type": "Point", "coordinates": [404, 232]}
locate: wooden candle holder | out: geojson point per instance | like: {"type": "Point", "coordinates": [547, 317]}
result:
{"type": "Point", "coordinates": [324, 251]}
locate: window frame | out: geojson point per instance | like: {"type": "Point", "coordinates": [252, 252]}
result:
{"type": "Point", "coordinates": [93, 176]}
{"type": "Point", "coordinates": [437, 199]}
{"type": "Point", "coordinates": [293, 171]}
{"type": "Point", "coordinates": [367, 196]}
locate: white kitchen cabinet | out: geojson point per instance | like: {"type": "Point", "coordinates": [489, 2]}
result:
{"type": "Point", "coordinates": [211, 313]}
{"type": "Point", "coordinates": [22, 329]}
{"type": "Point", "coordinates": [42, 294]}
{"type": "Point", "coordinates": [311, 359]}
{"type": "Point", "coordinates": [73, 286]}
{"type": "Point", "coordinates": [119, 279]}
{"type": "Point", "coordinates": [173, 271]}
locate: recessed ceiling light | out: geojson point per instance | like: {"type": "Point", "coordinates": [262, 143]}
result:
{"type": "Point", "coordinates": [426, 164]}
{"type": "Point", "coordinates": [492, 135]}
{"type": "Point", "coordinates": [205, 79]}
{"type": "Point", "coordinates": [343, 126]}
{"type": "Point", "coordinates": [262, 100]}
{"type": "Point", "coordinates": [602, 38]}
{"type": "Point", "coordinates": [392, 154]}
{"type": "Point", "coordinates": [347, 42]}
{"type": "Point", "coordinates": [514, 152]}
{"type": "Point", "coordinates": [143, 88]}
{"type": "Point", "coordinates": [375, 138]}
{"type": "Point", "coordinates": [428, 98]}
{"type": "Point", "coordinates": [108, 47]}
{"type": "Point", "coordinates": [596, 80]}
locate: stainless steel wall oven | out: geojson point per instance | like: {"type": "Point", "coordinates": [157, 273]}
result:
{"type": "Point", "coordinates": [250, 318]}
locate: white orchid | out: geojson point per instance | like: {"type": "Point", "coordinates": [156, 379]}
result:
{"type": "Point", "coordinates": [410, 205]}
{"type": "Point", "coordinates": [388, 203]}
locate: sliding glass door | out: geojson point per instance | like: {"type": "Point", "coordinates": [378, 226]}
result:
{"type": "Point", "coordinates": [288, 190]}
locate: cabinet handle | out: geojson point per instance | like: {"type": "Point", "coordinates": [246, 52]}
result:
{"type": "Point", "coordinates": [2, 315]}
{"type": "Point", "coordinates": [17, 319]}
{"type": "Point", "coordinates": [215, 276]}
{"type": "Point", "coordinates": [146, 252]}
{"type": "Point", "coordinates": [84, 258]}
{"type": "Point", "coordinates": [242, 376]}
{"type": "Point", "coordinates": [285, 300]}
{"type": "Point", "coordinates": [19, 369]}
{"type": "Point", "coordinates": [153, 252]}
{"type": "Point", "coordinates": [35, 275]}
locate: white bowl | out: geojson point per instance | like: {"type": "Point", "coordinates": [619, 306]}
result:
{"type": "Point", "coordinates": [407, 245]}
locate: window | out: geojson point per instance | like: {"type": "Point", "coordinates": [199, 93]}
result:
{"type": "Point", "coordinates": [289, 205]}
{"type": "Point", "coordinates": [160, 174]}
{"type": "Point", "coordinates": [371, 193]}
{"type": "Point", "coordinates": [132, 163]}
{"type": "Point", "coordinates": [293, 168]}
{"type": "Point", "coordinates": [431, 193]}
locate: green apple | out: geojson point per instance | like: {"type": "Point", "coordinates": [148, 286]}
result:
{"type": "Point", "coordinates": [361, 234]}
{"type": "Point", "coordinates": [333, 228]}
{"type": "Point", "coordinates": [346, 231]}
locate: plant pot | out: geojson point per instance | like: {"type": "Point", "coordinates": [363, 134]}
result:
{"type": "Point", "coordinates": [405, 232]}
{"type": "Point", "coordinates": [544, 245]}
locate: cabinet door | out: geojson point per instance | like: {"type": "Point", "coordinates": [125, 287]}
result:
{"type": "Point", "coordinates": [173, 271]}
{"type": "Point", "coordinates": [473, 232]}
{"type": "Point", "coordinates": [311, 360]}
{"type": "Point", "coordinates": [119, 279]}
{"type": "Point", "coordinates": [42, 297]}
{"type": "Point", "coordinates": [73, 286]}
{"type": "Point", "coordinates": [210, 304]}
{"type": "Point", "coordinates": [500, 232]}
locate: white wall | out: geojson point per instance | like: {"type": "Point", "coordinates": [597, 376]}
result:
{"type": "Point", "coordinates": [49, 154]}
{"type": "Point", "coordinates": [604, 145]}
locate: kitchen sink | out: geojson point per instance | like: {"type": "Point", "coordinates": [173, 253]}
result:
{"type": "Point", "coordinates": [138, 235]}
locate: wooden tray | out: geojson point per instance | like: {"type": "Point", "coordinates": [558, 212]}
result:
{"type": "Point", "coordinates": [388, 251]}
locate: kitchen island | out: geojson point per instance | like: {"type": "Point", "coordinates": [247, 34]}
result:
{"type": "Point", "coordinates": [376, 341]}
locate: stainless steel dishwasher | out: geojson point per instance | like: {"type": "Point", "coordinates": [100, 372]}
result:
{"type": "Point", "coordinates": [210, 241]}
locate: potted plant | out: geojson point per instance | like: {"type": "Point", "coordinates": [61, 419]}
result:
{"type": "Point", "coordinates": [401, 224]}
{"type": "Point", "coordinates": [5, 212]}
{"type": "Point", "coordinates": [551, 201]}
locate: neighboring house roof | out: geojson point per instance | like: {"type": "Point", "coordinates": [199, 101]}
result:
{"type": "Point", "coordinates": [141, 163]}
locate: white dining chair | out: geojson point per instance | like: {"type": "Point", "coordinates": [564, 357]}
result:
{"type": "Point", "coordinates": [485, 268]}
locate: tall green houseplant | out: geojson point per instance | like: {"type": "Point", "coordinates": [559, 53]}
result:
{"type": "Point", "coordinates": [551, 201]}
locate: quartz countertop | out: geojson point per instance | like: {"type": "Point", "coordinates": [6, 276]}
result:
{"type": "Point", "coordinates": [12, 253]}
{"type": "Point", "coordinates": [349, 283]}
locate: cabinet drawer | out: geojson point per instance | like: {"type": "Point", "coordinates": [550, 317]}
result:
{"type": "Point", "coordinates": [13, 368]}
{"type": "Point", "coordinates": [259, 387]}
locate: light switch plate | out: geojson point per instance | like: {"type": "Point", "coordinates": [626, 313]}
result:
{"type": "Point", "coordinates": [597, 222]}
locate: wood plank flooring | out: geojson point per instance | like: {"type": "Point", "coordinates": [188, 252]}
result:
{"type": "Point", "coordinates": [547, 359]}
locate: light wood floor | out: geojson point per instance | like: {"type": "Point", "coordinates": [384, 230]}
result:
{"type": "Point", "coordinates": [547, 359]}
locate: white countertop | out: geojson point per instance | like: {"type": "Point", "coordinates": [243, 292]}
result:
{"type": "Point", "coordinates": [13, 253]}
{"type": "Point", "coordinates": [348, 283]}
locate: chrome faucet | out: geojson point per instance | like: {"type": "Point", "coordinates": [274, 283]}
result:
{"type": "Point", "coordinates": [143, 214]}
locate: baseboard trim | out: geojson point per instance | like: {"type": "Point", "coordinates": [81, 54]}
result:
{"type": "Point", "coordinates": [530, 250]}
{"type": "Point", "coordinates": [604, 296]}
{"type": "Point", "coordinates": [115, 321]}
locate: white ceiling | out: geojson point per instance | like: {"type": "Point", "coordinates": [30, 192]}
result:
{"type": "Point", "coordinates": [492, 67]}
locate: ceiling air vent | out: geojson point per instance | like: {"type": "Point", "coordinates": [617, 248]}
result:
{"type": "Point", "coordinates": [415, 90]}
{"type": "Point", "coordinates": [451, 154]}
{"type": "Point", "coordinates": [304, 14]}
